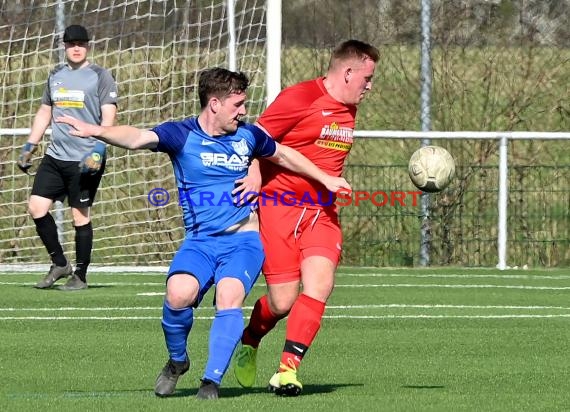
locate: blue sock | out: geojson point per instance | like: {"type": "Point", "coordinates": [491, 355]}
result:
{"type": "Point", "coordinates": [176, 325]}
{"type": "Point", "coordinates": [225, 333]}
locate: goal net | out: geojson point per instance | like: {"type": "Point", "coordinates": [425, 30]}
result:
{"type": "Point", "coordinates": [491, 71]}
{"type": "Point", "coordinates": [155, 49]}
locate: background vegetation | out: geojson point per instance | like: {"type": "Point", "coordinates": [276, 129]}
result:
{"type": "Point", "coordinates": [496, 65]}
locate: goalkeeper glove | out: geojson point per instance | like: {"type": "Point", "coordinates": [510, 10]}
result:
{"type": "Point", "coordinates": [25, 159]}
{"type": "Point", "coordinates": [92, 161]}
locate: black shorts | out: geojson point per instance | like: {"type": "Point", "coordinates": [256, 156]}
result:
{"type": "Point", "coordinates": [58, 179]}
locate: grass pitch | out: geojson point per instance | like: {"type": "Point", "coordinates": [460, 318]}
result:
{"type": "Point", "coordinates": [435, 339]}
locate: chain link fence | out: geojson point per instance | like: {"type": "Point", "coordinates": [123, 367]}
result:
{"type": "Point", "coordinates": [496, 66]}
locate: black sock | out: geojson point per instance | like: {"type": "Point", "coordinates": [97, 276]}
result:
{"type": "Point", "coordinates": [83, 247]}
{"type": "Point", "coordinates": [47, 231]}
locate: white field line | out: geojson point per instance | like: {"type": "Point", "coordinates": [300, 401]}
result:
{"type": "Point", "coordinates": [485, 286]}
{"type": "Point", "coordinates": [341, 316]}
{"type": "Point", "coordinates": [452, 275]}
{"type": "Point", "coordinates": [161, 284]}
{"type": "Point", "coordinates": [403, 305]}
{"type": "Point", "coordinates": [564, 315]}
{"type": "Point", "coordinates": [344, 307]}
{"type": "Point", "coordinates": [157, 270]}
{"type": "Point", "coordinates": [515, 273]}
{"type": "Point", "coordinates": [39, 268]}
{"type": "Point", "coordinates": [465, 275]}
{"type": "Point", "coordinates": [156, 318]}
{"type": "Point", "coordinates": [369, 285]}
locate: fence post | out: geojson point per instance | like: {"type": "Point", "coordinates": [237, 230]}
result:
{"type": "Point", "coordinates": [502, 204]}
{"type": "Point", "coordinates": [425, 230]}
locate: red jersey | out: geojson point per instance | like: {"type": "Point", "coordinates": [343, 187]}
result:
{"type": "Point", "coordinates": [306, 118]}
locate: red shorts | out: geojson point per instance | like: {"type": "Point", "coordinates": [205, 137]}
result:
{"type": "Point", "coordinates": [290, 234]}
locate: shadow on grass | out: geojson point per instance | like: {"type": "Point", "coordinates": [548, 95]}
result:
{"type": "Point", "coordinates": [229, 392]}
{"type": "Point", "coordinates": [235, 392]}
{"type": "Point", "coordinates": [55, 288]}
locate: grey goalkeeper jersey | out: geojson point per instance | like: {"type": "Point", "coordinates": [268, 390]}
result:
{"type": "Point", "coordinates": [79, 93]}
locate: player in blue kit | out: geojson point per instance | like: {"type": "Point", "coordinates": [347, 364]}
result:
{"type": "Point", "coordinates": [209, 154]}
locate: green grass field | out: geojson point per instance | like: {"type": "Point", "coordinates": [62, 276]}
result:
{"type": "Point", "coordinates": [432, 339]}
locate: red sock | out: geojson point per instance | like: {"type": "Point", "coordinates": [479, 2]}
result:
{"type": "Point", "coordinates": [302, 326]}
{"type": "Point", "coordinates": [261, 322]}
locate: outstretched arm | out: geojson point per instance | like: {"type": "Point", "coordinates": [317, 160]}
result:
{"type": "Point", "coordinates": [128, 137]}
{"type": "Point", "coordinates": [293, 160]}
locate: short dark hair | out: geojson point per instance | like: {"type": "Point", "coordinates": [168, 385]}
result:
{"type": "Point", "coordinates": [75, 32]}
{"type": "Point", "coordinates": [219, 82]}
{"type": "Point", "coordinates": [354, 49]}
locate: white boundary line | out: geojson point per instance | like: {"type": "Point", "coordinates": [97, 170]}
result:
{"type": "Point", "coordinates": [33, 268]}
{"type": "Point", "coordinates": [329, 307]}
{"type": "Point", "coordinates": [458, 286]}
{"type": "Point", "coordinates": [332, 307]}
{"type": "Point", "coordinates": [157, 318]}
{"type": "Point", "coordinates": [368, 285]}
{"type": "Point", "coordinates": [343, 271]}
{"type": "Point", "coordinates": [453, 275]}
{"type": "Point", "coordinates": [162, 272]}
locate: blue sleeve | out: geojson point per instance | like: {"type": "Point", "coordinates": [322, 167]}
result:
{"type": "Point", "coordinates": [171, 137]}
{"type": "Point", "coordinates": [264, 146]}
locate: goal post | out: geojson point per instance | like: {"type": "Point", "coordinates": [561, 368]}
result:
{"type": "Point", "coordinates": [273, 75]}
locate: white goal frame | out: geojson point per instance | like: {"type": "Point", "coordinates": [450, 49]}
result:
{"type": "Point", "coordinates": [501, 137]}
{"type": "Point", "coordinates": [70, 12]}
{"type": "Point", "coordinates": [273, 20]}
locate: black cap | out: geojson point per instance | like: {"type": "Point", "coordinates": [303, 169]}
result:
{"type": "Point", "coordinates": [75, 32]}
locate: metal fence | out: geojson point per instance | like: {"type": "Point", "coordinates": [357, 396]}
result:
{"type": "Point", "coordinates": [494, 66]}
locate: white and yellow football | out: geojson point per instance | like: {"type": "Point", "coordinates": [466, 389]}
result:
{"type": "Point", "coordinates": [431, 168]}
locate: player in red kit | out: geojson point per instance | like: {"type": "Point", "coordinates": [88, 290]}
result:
{"type": "Point", "coordinates": [299, 222]}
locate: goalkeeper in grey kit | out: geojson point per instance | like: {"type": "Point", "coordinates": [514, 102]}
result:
{"type": "Point", "coordinates": [71, 167]}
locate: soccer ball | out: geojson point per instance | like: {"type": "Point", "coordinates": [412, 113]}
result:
{"type": "Point", "coordinates": [431, 168]}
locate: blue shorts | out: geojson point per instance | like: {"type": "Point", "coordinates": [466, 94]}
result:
{"type": "Point", "coordinates": [212, 258]}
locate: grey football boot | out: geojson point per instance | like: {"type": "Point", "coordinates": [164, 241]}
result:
{"type": "Point", "coordinates": [55, 273]}
{"type": "Point", "coordinates": [166, 381]}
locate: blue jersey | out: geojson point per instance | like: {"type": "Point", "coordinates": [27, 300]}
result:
{"type": "Point", "coordinates": [206, 169]}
